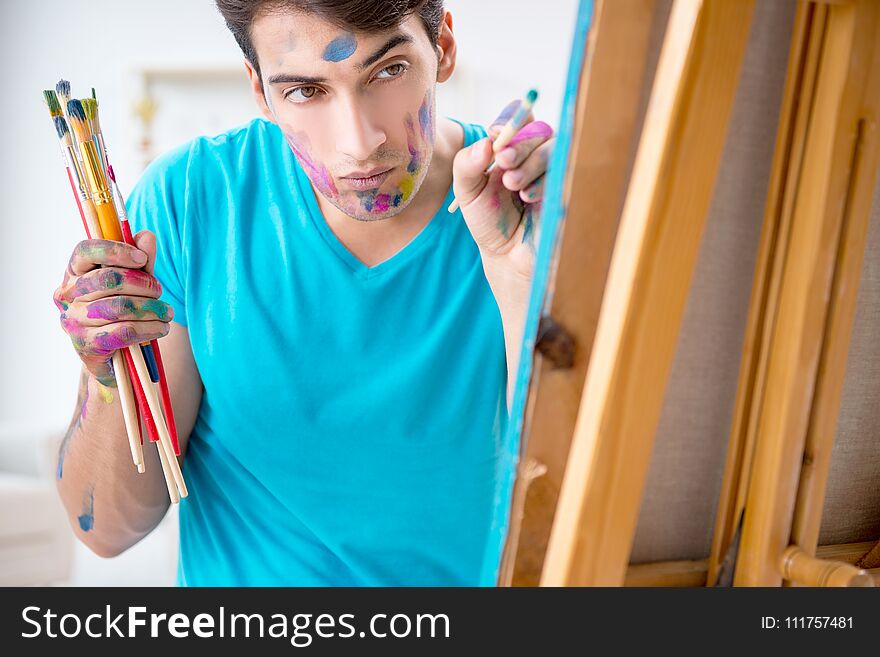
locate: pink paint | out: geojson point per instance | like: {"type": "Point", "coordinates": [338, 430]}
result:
{"type": "Point", "coordinates": [533, 130]}
{"type": "Point", "coordinates": [107, 343]}
{"type": "Point", "coordinates": [381, 203]}
{"type": "Point", "coordinates": [319, 175]}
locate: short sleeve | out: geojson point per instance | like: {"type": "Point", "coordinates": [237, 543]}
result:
{"type": "Point", "coordinates": [159, 203]}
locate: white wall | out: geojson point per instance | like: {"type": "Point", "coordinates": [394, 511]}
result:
{"type": "Point", "coordinates": [505, 47]}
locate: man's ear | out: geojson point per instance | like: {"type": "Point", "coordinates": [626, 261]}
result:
{"type": "Point", "coordinates": [446, 48]}
{"type": "Point", "coordinates": [257, 90]}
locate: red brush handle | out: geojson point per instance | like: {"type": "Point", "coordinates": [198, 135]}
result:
{"type": "Point", "coordinates": [152, 432]}
{"type": "Point", "coordinates": [79, 206]}
{"type": "Point", "coordinates": [166, 398]}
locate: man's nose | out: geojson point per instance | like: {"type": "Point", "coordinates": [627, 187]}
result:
{"type": "Point", "coordinates": [356, 135]}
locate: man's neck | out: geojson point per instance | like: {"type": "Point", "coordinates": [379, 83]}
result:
{"type": "Point", "coordinates": [373, 242]}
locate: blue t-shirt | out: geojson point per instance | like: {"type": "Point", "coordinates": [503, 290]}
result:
{"type": "Point", "coordinates": [352, 416]}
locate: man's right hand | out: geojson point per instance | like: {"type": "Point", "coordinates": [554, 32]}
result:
{"type": "Point", "coordinates": [109, 300]}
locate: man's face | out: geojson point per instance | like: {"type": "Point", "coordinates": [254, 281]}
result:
{"type": "Point", "coordinates": [357, 109]}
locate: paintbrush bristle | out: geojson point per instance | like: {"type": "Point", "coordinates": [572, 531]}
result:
{"type": "Point", "coordinates": [89, 107]}
{"type": "Point", "coordinates": [63, 89]}
{"type": "Point", "coordinates": [94, 95]}
{"type": "Point", "coordinates": [78, 121]}
{"type": "Point", "coordinates": [532, 96]}
{"type": "Point", "coordinates": [52, 103]}
{"type": "Point", "coordinates": [61, 128]}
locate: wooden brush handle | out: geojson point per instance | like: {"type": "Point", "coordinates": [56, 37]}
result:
{"type": "Point", "coordinates": [109, 221]}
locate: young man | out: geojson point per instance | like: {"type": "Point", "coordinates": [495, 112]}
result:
{"type": "Point", "coordinates": [341, 344]}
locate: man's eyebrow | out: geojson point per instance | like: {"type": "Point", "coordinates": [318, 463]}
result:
{"type": "Point", "coordinates": [393, 42]}
{"type": "Point", "coordinates": [291, 77]}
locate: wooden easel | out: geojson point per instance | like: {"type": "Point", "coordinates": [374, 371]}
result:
{"type": "Point", "coordinates": [611, 316]}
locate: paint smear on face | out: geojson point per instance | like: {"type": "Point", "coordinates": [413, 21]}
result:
{"type": "Point", "coordinates": [426, 119]}
{"type": "Point", "coordinates": [341, 48]}
{"type": "Point", "coordinates": [396, 191]}
{"type": "Point", "coordinates": [317, 173]}
{"type": "Point", "coordinates": [87, 519]}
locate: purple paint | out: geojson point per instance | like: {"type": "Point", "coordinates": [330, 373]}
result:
{"type": "Point", "coordinates": [426, 119]}
{"type": "Point", "coordinates": [107, 343]}
{"type": "Point", "coordinates": [506, 113]}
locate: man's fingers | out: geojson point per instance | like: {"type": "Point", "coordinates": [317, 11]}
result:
{"type": "Point", "coordinates": [523, 143]}
{"type": "Point", "coordinates": [90, 254]}
{"type": "Point", "coordinates": [534, 193]}
{"type": "Point", "coordinates": [109, 281]}
{"type": "Point", "coordinates": [118, 309]}
{"type": "Point", "coordinates": [531, 169]}
{"type": "Point", "coordinates": [146, 242]}
{"type": "Point", "coordinates": [104, 340]}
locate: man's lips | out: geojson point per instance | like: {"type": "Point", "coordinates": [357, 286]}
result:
{"type": "Point", "coordinates": [367, 179]}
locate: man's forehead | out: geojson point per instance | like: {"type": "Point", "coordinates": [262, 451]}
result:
{"type": "Point", "coordinates": [281, 32]}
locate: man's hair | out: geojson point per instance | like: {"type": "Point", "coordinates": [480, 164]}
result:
{"type": "Point", "coordinates": [354, 15]}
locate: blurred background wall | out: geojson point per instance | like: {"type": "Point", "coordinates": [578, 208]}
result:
{"type": "Point", "coordinates": [181, 52]}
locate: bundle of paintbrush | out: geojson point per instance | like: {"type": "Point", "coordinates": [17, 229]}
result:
{"type": "Point", "coordinates": [140, 375]}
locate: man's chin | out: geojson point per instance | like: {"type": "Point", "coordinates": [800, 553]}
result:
{"type": "Point", "coordinates": [356, 211]}
{"type": "Point", "coordinates": [372, 205]}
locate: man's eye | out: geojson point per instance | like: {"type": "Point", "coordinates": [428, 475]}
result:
{"type": "Point", "coordinates": [301, 94]}
{"type": "Point", "coordinates": [391, 71]}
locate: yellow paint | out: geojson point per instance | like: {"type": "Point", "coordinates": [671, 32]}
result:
{"type": "Point", "coordinates": [105, 393]}
{"type": "Point", "coordinates": [406, 186]}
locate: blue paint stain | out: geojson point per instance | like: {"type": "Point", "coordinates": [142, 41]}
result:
{"type": "Point", "coordinates": [342, 47]}
{"type": "Point", "coordinates": [87, 519]}
{"type": "Point", "coordinates": [425, 119]}
{"type": "Point", "coordinates": [367, 199]}
{"type": "Point", "coordinates": [413, 160]}
{"type": "Point", "coordinates": [397, 199]}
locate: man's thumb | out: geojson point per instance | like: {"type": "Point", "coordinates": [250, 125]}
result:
{"type": "Point", "coordinates": [468, 168]}
{"type": "Point", "coordinates": [146, 242]}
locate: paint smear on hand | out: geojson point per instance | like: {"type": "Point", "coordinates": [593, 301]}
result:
{"type": "Point", "coordinates": [105, 393]}
{"type": "Point", "coordinates": [533, 130]}
{"type": "Point", "coordinates": [87, 519]}
{"type": "Point", "coordinates": [342, 47]}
